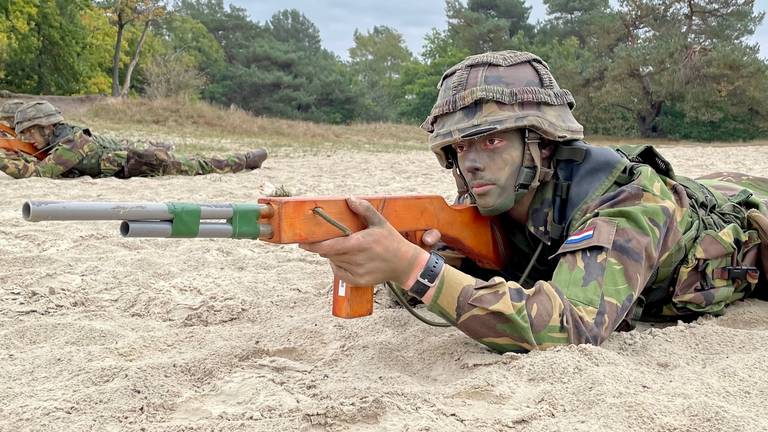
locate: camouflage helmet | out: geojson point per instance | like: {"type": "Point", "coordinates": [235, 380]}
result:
{"type": "Point", "coordinates": [8, 110]}
{"type": "Point", "coordinates": [495, 92]}
{"type": "Point", "coordinates": [37, 113]}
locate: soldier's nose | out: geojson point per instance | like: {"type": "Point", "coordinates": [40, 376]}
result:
{"type": "Point", "coordinates": [472, 164]}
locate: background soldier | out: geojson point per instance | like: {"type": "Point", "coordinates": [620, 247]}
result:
{"type": "Point", "coordinates": [594, 239]}
{"type": "Point", "coordinates": [7, 113]}
{"type": "Point", "coordinates": [71, 151]}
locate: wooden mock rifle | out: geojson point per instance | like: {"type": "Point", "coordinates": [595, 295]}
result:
{"type": "Point", "coordinates": [293, 220]}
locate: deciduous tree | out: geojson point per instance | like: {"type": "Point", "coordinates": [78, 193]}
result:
{"type": "Point", "coordinates": [123, 13]}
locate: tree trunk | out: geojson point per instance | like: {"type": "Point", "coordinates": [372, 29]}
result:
{"type": "Point", "coordinates": [646, 118]}
{"type": "Point", "coordinates": [646, 121]}
{"type": "Point", "coordinates": [116, 56]}
{"type": "Point", "coordinates": [135, 59]}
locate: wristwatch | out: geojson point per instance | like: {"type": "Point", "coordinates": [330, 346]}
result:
{"type": "Point", "coordinates": [428, 276]}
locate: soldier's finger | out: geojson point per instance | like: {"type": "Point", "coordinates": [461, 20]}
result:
{"type": "Point", "coordinates": [348, 261]}
{"type": "Point", "coordinates": [330, 248]}
{"type": "Point", "coordinates": [431, 237]}
{"type": "Point", "coordinates": [367, 211]}
{"type": "Point", "coordinates": [343, 273]}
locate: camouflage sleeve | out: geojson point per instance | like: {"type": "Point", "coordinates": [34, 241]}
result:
{"type": "Point", "coordinates": [15, 163]}
{"type": "Point", "coordinates": [601, 270]}
{"type": "Point", "coordinates": [65, 155]}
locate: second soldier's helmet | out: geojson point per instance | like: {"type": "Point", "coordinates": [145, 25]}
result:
{"type": "Point", "coordinates": [8, 110]}
{"type": "Point", "coordinates": [37, 113]}
{"type": "Point", "coordinates": [495, 92]}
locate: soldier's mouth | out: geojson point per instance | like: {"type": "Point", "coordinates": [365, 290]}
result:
{"type": "Point", "coordinates": [481, 187]}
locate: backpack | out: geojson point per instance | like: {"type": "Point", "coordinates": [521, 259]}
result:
{"type": "Point", "coordinates": [722, 248]}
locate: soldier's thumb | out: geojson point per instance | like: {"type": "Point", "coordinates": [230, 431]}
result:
{"type": "Point", "coordinates": [431, 237]}
{"type": "Point", "coordinates": [366, 211]}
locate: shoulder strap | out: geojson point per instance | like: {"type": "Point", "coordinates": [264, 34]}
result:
{"type": "Point", "coordinates": [581, 172]}
{"type": "Point", "coordinates": [648, 155]}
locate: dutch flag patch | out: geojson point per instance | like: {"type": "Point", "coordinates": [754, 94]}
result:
{"type": "Point", "coordinates": [580, 236]}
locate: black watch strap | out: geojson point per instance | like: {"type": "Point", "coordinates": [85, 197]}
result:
{"type": "Point", "coordinates": [428, 276]}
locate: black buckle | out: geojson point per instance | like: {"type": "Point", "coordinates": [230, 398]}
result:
{"type": "Point", "coordinates": [428, 276]}
{"type": "Point", "coordinates": [562, 189]}
{"type": "Point", "coordinates": [740, 273]}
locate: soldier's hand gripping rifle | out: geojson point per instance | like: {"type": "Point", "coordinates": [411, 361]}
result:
{"type": "Point", "coordinates": [291, 220]}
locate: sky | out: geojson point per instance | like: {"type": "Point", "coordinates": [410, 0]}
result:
{"type": "Point", "coordinates": [338, 19]}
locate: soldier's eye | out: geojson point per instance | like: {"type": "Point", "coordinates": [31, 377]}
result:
{"type": "Point", "coordinates": [460, 147]}
{"type": "Point", "coordinates": [493, 143]}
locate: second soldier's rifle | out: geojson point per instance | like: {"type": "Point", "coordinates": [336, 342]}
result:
{"type": "Point", "coordinates": [292, 220]}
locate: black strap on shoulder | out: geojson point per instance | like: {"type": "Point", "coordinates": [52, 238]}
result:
{"type": "Point", "coordinates": [565, 159]}
{"type": "Point", "coordinates": [564, 152]}
{"type": "Point", "coordinates": [648, 155]}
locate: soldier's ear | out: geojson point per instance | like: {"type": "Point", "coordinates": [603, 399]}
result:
{"type": "Point", "coordinates": [547, 149]}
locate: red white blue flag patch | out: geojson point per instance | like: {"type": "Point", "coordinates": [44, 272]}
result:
{"type": "Point", "coordinates": [580, 236]}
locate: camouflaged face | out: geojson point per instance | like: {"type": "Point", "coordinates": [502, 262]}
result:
{"type": "Point", "coordinates": [499, 91]}
{"type": "Point", "coordinates": [37, 113]}
{"type": "Point", "coordinates": [498, 166]}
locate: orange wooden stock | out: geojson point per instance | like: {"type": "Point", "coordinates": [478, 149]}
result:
{"type": "Point", "coordinates": [16, 144]}
{"type": "Point", "coordinates": [462, 228]}
{"type": "Point", "coordinates": [7, 130]}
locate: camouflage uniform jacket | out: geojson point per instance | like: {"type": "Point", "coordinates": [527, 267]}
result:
{"type": "Point", "coordinates": [73, 152]}
{"type": "Point", "coordinates": [630, 236]}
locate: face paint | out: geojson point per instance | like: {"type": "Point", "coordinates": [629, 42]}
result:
{"type": "Point", "coordinates": [34, 135]}
{"type": "Point", "coordinates": [491, 164]}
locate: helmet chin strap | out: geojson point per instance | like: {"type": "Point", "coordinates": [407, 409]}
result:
{"type": "Point", "coordinates": [528, 177]}
{"type": "Point", "coordinates": [457, 173]}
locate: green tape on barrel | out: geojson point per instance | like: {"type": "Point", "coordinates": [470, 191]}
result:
{"type": "Point", "coordinates": [186, 219]}
{"type": "Point", "coordinates": [245, 221]}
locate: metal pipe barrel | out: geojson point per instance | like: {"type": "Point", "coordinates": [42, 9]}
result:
{"type": "Point", "coordinates": [35, 211]}
{"type": "Point", "coordinates": [155, 219]}
{"type": "Point", "coordinates": [162, 229]}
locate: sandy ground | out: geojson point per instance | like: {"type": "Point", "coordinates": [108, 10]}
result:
{"type": "Point", "coordinates": [101, 333]}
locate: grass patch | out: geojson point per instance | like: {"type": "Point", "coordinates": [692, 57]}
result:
{"type": "Point", "coordinates": [201, 127]}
